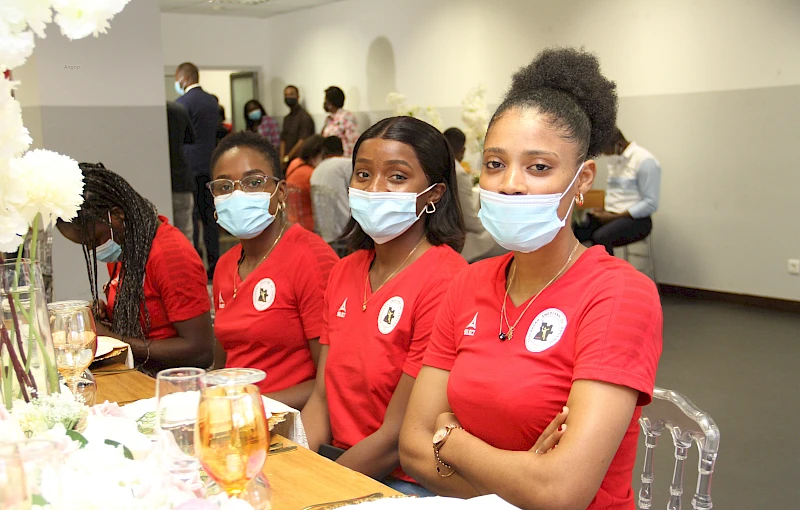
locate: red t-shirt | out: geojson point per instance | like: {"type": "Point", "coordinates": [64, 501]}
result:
{"type": "Point", "coordinates": [601, 321]}
{"type": "Point", "coordinates": [370, 350]}
{"type": "Point", "coordinates": [175, 283]}
{"type": "Point", "coordinates": [277, 309]}
{"type": "Point", "coordinates": [298, 178]}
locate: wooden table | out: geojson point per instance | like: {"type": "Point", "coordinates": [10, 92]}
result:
{"type": "Point", "coordinates": [299, 478]}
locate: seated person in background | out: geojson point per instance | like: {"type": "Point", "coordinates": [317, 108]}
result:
{"type": "Point", "coordinates": [166, 320]}
{"type": "Point", "coordinates": [298, 179]}
{"type": "Point", "coordinates": [479, 243]}
{"type": "Point", "coordinates": [381, 301]}
{"type": "Point", "coordinates": [329, 184]}
{"type": "Point", "coordinates": [634, 185]}
{"type": "Point", "coordinates": [552, 324]}
{"type": "Point", "coordinates": [259, 122]}
{"type": "Point", "coordinates": [268, 290]}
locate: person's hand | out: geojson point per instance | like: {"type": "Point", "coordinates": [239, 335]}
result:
{"type": "Point", "coordinates": [552, 434]}
{"type": "Point", "coordinates": [604, 216]}
{"type": "Point", "coordinates": [446, 419]}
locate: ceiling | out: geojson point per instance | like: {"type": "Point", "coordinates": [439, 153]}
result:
{"type": "Point", "coordinates": [265, 9]}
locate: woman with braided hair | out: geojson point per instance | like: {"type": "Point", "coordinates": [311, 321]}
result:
{"type": "Point", "coordinates": [157, 300]}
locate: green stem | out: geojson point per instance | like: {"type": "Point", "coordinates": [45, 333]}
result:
{"type": "Point", "coordinates": [34, 241]}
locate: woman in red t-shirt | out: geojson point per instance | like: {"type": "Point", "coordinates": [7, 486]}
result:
{"type": "Point", "coordinates": [298, 179]}
{"type": "Point", "coordinates": [157, 296]}
{"type": "Point", "coordinates": [268, 290]}
{"type": "Point", "coordinates": [381, 300]}
{"type": "Point", "coordinates": [552, 324]}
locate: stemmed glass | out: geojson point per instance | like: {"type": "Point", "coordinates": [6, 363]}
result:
{"type": "Point", "coordinates": [74, 339]}
{"type": "Point", "coordinates": [177, 397]}
{"type": "Point", "coordinates": [232, 436]}
{"type": "Point", "coordinates": [14, 494]}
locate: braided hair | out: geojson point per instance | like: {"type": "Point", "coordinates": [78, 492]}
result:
{"type": "Point", "coordinates": [104, 190]}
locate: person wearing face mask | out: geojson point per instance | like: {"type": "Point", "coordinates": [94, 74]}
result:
{"type": "Point", "coordinates": [259, 122]}
{"type": "Point", "coordinates": [157, 299]}
{"type": "Point", "coordinates": [298, 180]}
{"type": "Point", "coordinates": [381, 301]}
{"type": "Point", "coordinates": [203, 109]}
{"type": "Point", "coordinates": [340, 122]}
{"type": "Point", "coordinates": [551, 329]}
{"type": "Point", "coordinates": [632, 191]}
{"type": "Point", "coordinates": [268, 290]}
{"type": "Point", "coordinates": [297, 126]}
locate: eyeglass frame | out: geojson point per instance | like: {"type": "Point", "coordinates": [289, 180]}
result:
{"type": "Point", "coordinates": [234, 182]}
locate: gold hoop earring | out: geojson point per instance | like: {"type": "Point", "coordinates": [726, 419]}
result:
{"type": "Point", "coordinates": [216, 218]}
{"type": "Point", "coordinates": [579, 200]}
{"type": "Point", "coordinates": [432, 206]}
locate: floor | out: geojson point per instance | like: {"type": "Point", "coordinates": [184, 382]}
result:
{"type": "Point", "coordinates": [739, 364]}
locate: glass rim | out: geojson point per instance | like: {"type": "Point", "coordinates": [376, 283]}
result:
{"type": "Point", "coordinates": [234, 376]}
{"type": "Point", "coordinates": [67, 305]}
{"type": "Point", "coordinates": [186, 373]}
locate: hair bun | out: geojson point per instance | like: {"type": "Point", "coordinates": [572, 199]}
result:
{"type": "Point", "coordinates": [576, 73]}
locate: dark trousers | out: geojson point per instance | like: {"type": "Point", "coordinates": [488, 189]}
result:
{"type": "Point", "coordinates": [619, 232]}
{"type": "Point", "coordinates": [204, 212]}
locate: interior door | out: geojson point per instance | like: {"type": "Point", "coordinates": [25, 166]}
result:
{"type": "Point", "coordinates": [244, 87]}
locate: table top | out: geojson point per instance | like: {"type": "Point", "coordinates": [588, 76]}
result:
{"type": "Point", "coordinates": [299, 478]}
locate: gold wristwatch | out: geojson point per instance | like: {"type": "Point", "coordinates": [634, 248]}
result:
{"type": "Point", "coordinates": [439, 438]}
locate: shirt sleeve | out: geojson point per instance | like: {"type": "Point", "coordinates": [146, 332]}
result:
{"type": "Point", "coordinates": [619, 335]}
{"type": "Point", "coordinates": [441, 352]}
{"type": "Point", "coordinates": [350, 134]}
{"type": "Point", "coordinates": [180, 278]}
{"type": "Point", "coordinates": [648, 179]}
{"type": "Point", "coordinates": [311, 289]}
{"type": "Point", "coordinates": [306, 126]}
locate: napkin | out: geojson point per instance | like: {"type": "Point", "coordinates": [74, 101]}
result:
{"type": "Point", "coordinates": [117, 344]}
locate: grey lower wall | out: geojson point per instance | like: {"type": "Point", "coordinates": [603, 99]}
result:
{"type": "Point", "coordinates": [131, 141]}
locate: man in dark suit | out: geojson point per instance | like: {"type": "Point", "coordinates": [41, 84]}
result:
{"type": "Point", "coordinates": [204, 113]}
{"type": "Point", "coordinates": [179, 128]}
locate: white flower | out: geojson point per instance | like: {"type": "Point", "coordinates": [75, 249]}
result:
{"type": "Point", "coordinates": [14, 137]}
{"type": "Point", "coordinates": [475, 115]}
{"type": "Point", "coordinates": [31, 419]}
{"type": "Point", "coordinates": [434, 118]}
{"type": "Point", "coordinates": [80, 18]}
{"type": "Point", "coordinates": [15, 47]}
{"type": "Point", "coordinates": [54, 185]}
{"type": "Point", "coordinates": [36, 14]}
{"type": "Point", "coordinates": [395, 98]}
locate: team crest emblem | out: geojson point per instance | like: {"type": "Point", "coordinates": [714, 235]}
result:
{"type": "Point", "coordinates": [264, 294]}
{"type": "Point", "coordinates": [546, 330]}
{"type": "Point", "coordinates": [390, 314]}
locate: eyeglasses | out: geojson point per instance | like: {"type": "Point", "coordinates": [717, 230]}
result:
{"type": "Point", "coordinates": [250, 184]}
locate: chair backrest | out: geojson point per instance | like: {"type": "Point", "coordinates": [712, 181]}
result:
{"type": "Point", "coordinates": [675, 413]}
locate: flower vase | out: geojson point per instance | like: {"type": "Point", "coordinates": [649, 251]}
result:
{"type": "Point", "coordinates": [27, 357]}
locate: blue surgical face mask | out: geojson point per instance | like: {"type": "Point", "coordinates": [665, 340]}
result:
{"type": "Point", "coordinates": [244, 215]}
{"type": "Point", "coordinates": [255, 115]}
{"type": "Point", "coordinates": [523, 223]}
{"type": "Point", "coordinates": [110, 251]}
{"type": "Point", "coordinates": [385, 215]}
{"type": "Point", "coordinates": [179, 89]}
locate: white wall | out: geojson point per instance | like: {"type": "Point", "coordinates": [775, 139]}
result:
{"type": "Point", "coordinates": [659, 51]}
{"type": "Point", "coordinates": [217, 43]}
{"type": "Point", "coordinates": [219, 84]}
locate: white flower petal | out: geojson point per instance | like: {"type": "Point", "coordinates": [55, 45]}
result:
{"type": "Point", "coordinates": [15, 48]}
{"type": "Point", "coordinates": [81, 18]}
{"type": "Point", "coordinates": [56, 184]}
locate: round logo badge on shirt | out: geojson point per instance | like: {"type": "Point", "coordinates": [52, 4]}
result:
{"type": "Point", "coordinates": [264, 294]}
{"type": "Point", "coordinates": [390, 314]}
{"type": "Point", "coordinates": [546, 330]}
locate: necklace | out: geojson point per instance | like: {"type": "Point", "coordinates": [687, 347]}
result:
{"type": "Point", "coordinates": [366, 283]}
{"type": "Point", "coordinates": [239, 265]}
{"type": "Point", "coordinates": [508, 336]}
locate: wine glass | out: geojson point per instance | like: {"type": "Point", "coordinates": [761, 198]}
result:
{"type": "Point", "coordinates": [74, 339]}
{"type": "Point", "coordinates": [41, 462]}
{"type": "Point", "coordinates": [232, 436]}
{"type": "Point", "coordinates": [177, 397]}
{"type": "Point", "coordinates": [14, 494]}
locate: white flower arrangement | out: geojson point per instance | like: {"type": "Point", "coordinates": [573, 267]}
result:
{"type": "Point", "coordinates": [475, 114]}
{"type": "Point", "coordinates": [403, 109]}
